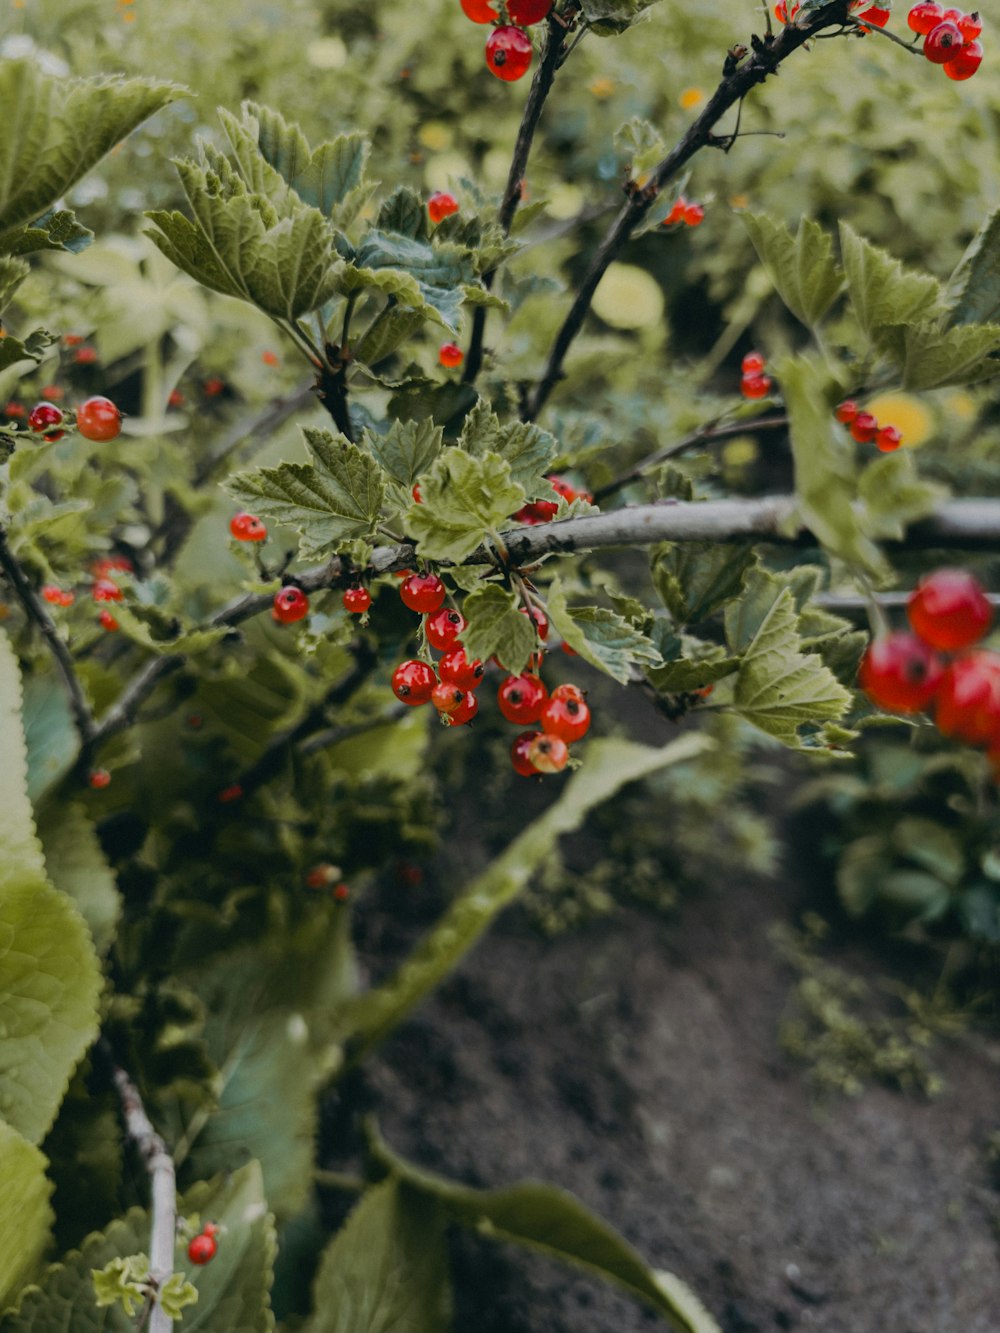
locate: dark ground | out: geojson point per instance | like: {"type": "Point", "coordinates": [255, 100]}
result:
{"type": "Point", "coordinates": [638, 1063]}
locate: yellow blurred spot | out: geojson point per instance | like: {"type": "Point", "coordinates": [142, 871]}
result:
{"type": "Point", "coordinates": [912, 419]}
{"type": "Point", "coordinates": [642, 179]}
{"type": "Point", "coordinates": [690, 98]}
{"type": "Point", "coordinates": [129, 16]}
{"type": "Point", "coordinates": [960, 405]}
{"type": "Point", "coordinates": [327, 53]}
{"type": "Point", "coordinates": [565, 201]}
{"type": "Point", "coordinates": [602, 87]}
{"type": "Point", "coordinates": [628, 297]}
{"type": "Point", "coordinates": [739, 452]}
{"type": "Point", "coordinates": [435, 136]}
{"type": "Point", "coordinates": [4, 608]}
{"type": "Point", "coordinates": [739, 201]}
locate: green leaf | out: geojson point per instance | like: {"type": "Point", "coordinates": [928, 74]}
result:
{"type": "Point", "coordinates": [934, 357]}
{"type": "Point", "coordinates": [25, 1218]}
{"type": "Point", "coordinates": [405, 213]}
{"type": "Point", "coordinates": [323, 177]}
{"type": "Point", "coordinates": [77, 867]}
{"type": "Point", "coordinates": [12, 273]}
{"type": "Point", "coordinates": [694, 579]}
{"type": "Point", "coordinates": [439, 270]}
{"type": "Point", "coordinates": [138, 623]}
{"type": "Point", "coordinates": [972, 295]}
{"type": "Point", "coordinates": [52, 739]}
{"type": "Point", "coordinates": [894, 496]}
{"type": "Point", "coordinates": [406, 450]}
{"type": "Point", "coordinates": [56, 129]}
{"type": "Point", "coordinates": [33, 348]}
{"type": "Point", "coordinates": [601, 637]}
{"type": "Point", "coordinates": [333, 500]}
{"type": "Point", "coordinates": [932, 846]}
{"type": "Point", "coordinates": [54, 231]}
{"type": "Point", "coordinates": [528, 449]}
{"type": "Point", "coordinates": [392, 327]}
{"type": "Point", "coordinates": [803, 269]}
{"type": "Point", "coordinates": [122, 1282]}
{"type": "Point", "coordinates": [497, 628]}
{"type": "Point", "coordinates": [688, 664]}
{"type": "Point", "coordinates": [610, 765]}
{"type": "Point", "coordinates": [744, 617]}
{"type": "Point", "coordinates": [463, 499]}
{"type": "Point", "coordinates": [555, 1223]}
{"type": "Point", "coordinates": [882, 291]}
{"type": "Point", "coordinates": [780, 689]}
{"type": "Point", "coordinates": [386, 1270]}
{"type": "Point", "coordinates": [608, 18]}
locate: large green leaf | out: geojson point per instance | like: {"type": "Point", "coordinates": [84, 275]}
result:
{"type": "Point", "coordinates": [25, 1215]}
{"type": "Point", "coordinates": [49, 974]}
{"type": "Point", "coordinates": [554, 1222]}
{"type": "Point", "coordinates": [609, 17]}
{"type": "Point", "coordinates": [406, 450]}
{"type": "Point", "coordinates": [386, 1270]}
{"type": "Point", "coordinates": [497, 628]}
{"type": "Point", "coordinates": [52, 739]}
{"type": "Point", "coordinates": [56, 129]}
{"type": "Point", "coordinates": [694, 579]}
{"type": "Point", "coordinates": [601, 637]}
{"type": "Point", "coordinates": [528, 449]}
{"type": "Point", "coordinates": [12, 273]}
{"type": "Point", "coordinates": [323, 177]}
{"type": "Point", "coordinates": [331, 501]}
{"type": "Point", "coordinates": [610, 764]}
{"type": "Point", "coordinates": [894, 495]}
{"type": "Point", "coordinates": [439, 270]}
{"type": "Point", "coordinates": [802, 268]}
{"type": "Point", "coordinates": [963, 354]}
{"type": "Point", "coordinates": [882, 291]}
{"type": "Point", "coordinates": [462, 500]}
{"type": "Point", "coordinates": [77, 867]}
{"type": "Point", "coordinates": [972, 295]}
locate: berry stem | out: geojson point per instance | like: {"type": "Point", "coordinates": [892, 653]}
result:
{"type": "Point", "coordinates": [884, 32]}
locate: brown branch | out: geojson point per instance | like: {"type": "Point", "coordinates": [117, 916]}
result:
{"type": "Point", "coordinates": [737, 81]}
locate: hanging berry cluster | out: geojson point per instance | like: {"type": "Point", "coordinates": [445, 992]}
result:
{"type": "Point", "coordinates": [685, 212]}
{"type": "Point", "coordinates": [97, 419]}
{"type": "Point", "coordinates": [754, 382]}
{"type": "Point", "coordinates": [950, 38]}
{"type": "Point", "coordinates": [936, 667]}
{"type": "Point", "coordinates": [543, 511]}
{"type": "Point", "coordinates": [508, 50]}
{"type": "Point", "coordinates": [865, 428]}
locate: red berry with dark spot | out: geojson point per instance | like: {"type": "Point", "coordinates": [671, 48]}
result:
{"type": "Point", "coordinates": [290, 604]}
{"type": "Point", "coordinates": [357, 600]}
{"type": "Point", "coordinates": [522, 698]}
{"type": "Point", "coordinates": [949, 609]}
{"type": "Point", "coordinates": [450, 355]}
{"type": "Point", "coordinates": [519, 754]}
{"type": "Point", "coordinates": [569, 719]}
{"type": "Point", "coordinates": [548, 753]}
{"type": "Point", "coordinates": [104, 590]}
{"type": "Point", "coordinates": [508, 53]}
{"type": "Point", "coordinates": [456, 668]}
{"type": "Point", "coordinates": [568, 691]}
{"type": "Point", "coordinates": [526, 12]}
{"type": "Point", "coordinates": [441, 204]}
{"type": "Point", "coordinates": [44, 418]}
{"type": "Point", "coordinates": [203, 1249]}
{"type": "Point", "coordinates": [864, 428]}
{"type": "Point", "coordinates": [539, 619]}
{"type": "Point", "coordinates": [480, 11]}
{"type": "Point", "coordinates": [98, 419]}
{"type": "Point", "coordinates": [901, 673]}
{"type": "Point", "coordinates": [447, 697]}
{"type": "Point", "coordinates": [970, 26]}
{"type": "Point", "coordinates": [943, 43]}
{"type": "Point", "coordinates": [965, 63]}
{"type": "Point", "coordinates": [846, 411]}
{"type": "Point", "coordinates": [923, 17]}
{"type": "Point", "coordinates": [464, 713]}
{"type": "Point", "coordinates": [888, 439]}
{"type": "Point", "coordinates": [443, 627]}
{"type": "Point", "coordinates": [247, 528]}
{"type": "Point", "coordinates": [413, 681]}
{"type": "Point", "coordinates": [422, 592]}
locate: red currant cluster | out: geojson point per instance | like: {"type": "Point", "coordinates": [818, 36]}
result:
{"type": "Point", "coordinates": [905, 672]}
{"type": "Point", "coordinates": [562, 718]}
{"type": "Point", "coordinates": [97, 419]}
{"type": "Point", "coordinates": [544, 511]}
{"type": "Point", "coordinates": [451, 689]}
{"type": "Point", "coordinates": [203, 1248]}
{"type": "Point", "coordinates": [508, 50]}
{"type": "Point", "coordinates": [103, 588]}
{"type": "Point", "coordinates": [865, 429]}
{"type": "Point", "coordinates": [687, 213]}
{"type": "Point", "coordinates": [325, 876]}
{"type": "Point", "coordinates": [950, 38]}
{"type": "Point", "coordinates": [754, 382]}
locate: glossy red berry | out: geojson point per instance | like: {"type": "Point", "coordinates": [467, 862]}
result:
{"type": "Point", "coordinates": [527, 12]}
{"type": "Point", "coordinates": [875, 16]}
{"type": "Point", "coordinates": [44, 418]}
{"type": "Point", "coordinates": [888, 439]}
{"type": "Point", "coordinates": [508, 53]}
{"type": "Point", "coordinates": [480, 11]}
{"type": "Point", "coordinates": [98, 419]}
{"type": "Point", "coordinates": [456, 669]}
{"type": "Point", "coordinates": [846, 411]}
{"type": "Point", "coordinates": [290, 604]}
{"type": "Point", "coordinates": [568, 691]}
{"type": "Point", "coordinates": [901, 673]}
{"type": "Point", "coordinates": [450, 355]}
{"type": "Point", "coordinates": [569, 719]}
{"type": "Point", "coordinates": [107, 621]}
{"type": "Point", "coordinates": [52, 594]}
{"type": "Point", "coordinates": [357, 600]}
{"type": "Point", "coordinates": [864, 428]}
{"type": "Point", "coordinates": [755, 386]}
{"type": "Point", "coordinates": [753, 363]}
{"type": "Point", "coordinates": [943, 43]}
{"type": "Point", "coordinates": [536, 511]}
{"type": "Point", "coordinates": [441, 204]}
{"type": "Point", "coordinates": [105, 590]}
{"type": "Point", "coordinates": [676, 213]}
{"type": "Point", "coordinates": [548, 753]}
{"type": "Point", "coordinates": [970, 26]}
{"type": "Point", "coordinates": [540, 620]}
{"type": "Point", "coordinates": [203, 1248]}
{"type": "Point", "coordinates": [522, 698]}
{"type": "Point", "coordinates": [949, 609]}
{"type": "Point", "coordinates": [923, 17]}
{"type": "Point", "coordinates": [447, 697]}
{"type": "Point", "coordinates": [443, 628]}
{"type": "Point", "coordinates": [967, 704]}
{"type": "Point", "coordinates": [519, 754]}
{"type": "Point", "coordinates": [247, 528]}
{"type": "Point", "coordinates": [965, 63]}
{"type": "Point", "coordinates": [422, 592]}
{"type": "Point", "coordinates": [464, 713]}
{"type": "Point", "coordinates": [98, 778]}
{"type": "Point", "coordinates": [694, 215]}
{"type": "Point", "coordinates": [413, 681]}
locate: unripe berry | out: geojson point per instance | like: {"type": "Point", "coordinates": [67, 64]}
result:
{"type": "Point", "coordinates": [203, 1248]}
{"type": "Point", "coordinates": [422, 592]}
{"type": "Point", "coordinates": [357, 600]}
{"type": "Point", "coordinates": [247, 528]}
{"type": "Point", "coordinates": [522, 698]}
{"type": "Point", "coordinates": [98, 419]}
{"type": "Point", "coordinates": [450, 355]}
{"type": "Point", "coordinates": [443, 627]}
{"type": "Point", "coordinates": [923, 17]}
{"type": "Point", "coordinates": [290, 604]}
{"type": "Point", "coordinates": [888, 439]}
{"type": "Point", "coordinates": [901, 673]}
{"type": "Point", "coordinates": [508, 53]}
{"type": "Point", "coordinates": [965, 63]}
{"type": "Point", "coordinates": [441, 204]}
{"type": "Point", "coordinates": [548, 753]}
{"type": "Point", "coordinates": [943, 43]}
{"type": "Point", "coordinates": [44, 418]}
{"type": "Point", "coordinates": [527, 12]}
{"type": "Point", "coordinates": [447, 697]}
{"type": "Point", "coordinates": [413, 681]}
{"type": "Point", "coordinates": [864, 428]}
{"type": "Point", "coordinates": [949, 609]}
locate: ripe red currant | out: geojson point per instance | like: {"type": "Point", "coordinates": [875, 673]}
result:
{"type": "Point", "coordinates": [450, 355]}
{"type": "Point", "coordinates": [970, 26]}
{"type": "Point", "coordinates": [480, 11]}
{"type": "Point", "coordinates": [900, 672]}
{"type": "Point", "coordinates": [965, 64]}
{"type": "Point", "coordinates": [569, 719]}
{"type": "Point", "coordinates": [967, 704]}
{"type": "Point", "coordinates": [464, 713]}
{"type": "Point", "coordinates": [341, 893]}
{"type": "Point", "coordinates": [522, 698]}
{"type": "Point", "coordinates": [519, 754]}
{"type": "Point", "coordinates": [888, 439]}
{"type": "Point", "coordinates": [943, 43]}
{"type": "Point", "coordinates": [925, 16]}
{"type": "Point", "coordinates": [875, 16]}
{"type": "Point", "coordinates": [443, 627]}
{"type": "Point", "coordinates": [508, 53]}
{"type": "Point", "coordinates": [864, 428]}
{"type": "Point", "coordinates": [247, 528]}
{"type": "Point", "coordinates": [537, 511]}
{"type": "Point", "coordinates": [98, 778]}
{"type": "Point", "coordinates": [105, 590]}
{"type": "Point", "coordinates": [846, 411]}
{"type": "Point", "coordinates": [98, 419]}
{"type": "Point", "coordinates": [694, 214]}
{"type": "Point", "coordinates": [107, 621]}
{"type": "Point", "coordinates": [548, 753]}
{"type": "Point", "coordinates": [290, 604]}
{"type": "Point", "coordinates": [85, 356]}
{"type": "Point", "coordinates": [753, 363]}
{"type": "Point", "coordinates": [53, 393]}
{"type": "Point", "coordinates": [441, 204]}
{"type": "Point", "coordinates": [568, 691]}
{"type": "Point", "coordinates": [447, 697]}
{"type": "Point", "coordinates": [413, 681]}
{"type": "Point", "coordinates": [203, 1248]}
{"type": "Point", "coordinates": [422, 592]}
{"type": "Point", "coordinates": [44, 418]}
{"type": "Point", "coordinates": [53, 594]}
{"type": "Point", "coordinates": [676, 213]}
{"type": "Point", "coordinates": [539, 619]}
{"type": "Point", "coordinates": [755, 386]}
{"type": "Point", "coordinates": [357, 600]}
{"type": "Point", "coordinates": [456, 669]}
{"type": "Point", "coordinates": [527, 12]}
{"type": "Point", "coordinates": [949, 609]}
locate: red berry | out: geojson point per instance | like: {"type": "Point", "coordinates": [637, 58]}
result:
{"type": "Point", "coordinates": [98, 419]}
{"type": "Point", "coordinates": [357, 600]}
{"type": "Point", "coordinates": [949, 609]}
{"type": "Point", "coordinates": [755, 386]}
{"type": "Point", "coordinates": [508, 53]}
{"type": "Point", "coordinates": [341, 893]}
{"type": "Point", "coordinates": [676, 213]}
{"type": "Point", "coordinates": [968, 702]}
{"type": "Point", "coordinates": [450, 355]}
{"type": "Point", "coordinates": [175, 398]}
{"type": "Point", "coordinates": [846, 411]}
{"type": "Point", "coordinates": [111, 564]}
{"type": "Point", "coordinates": [888, 439]}
{"type": "Point", "coordinates": [415, 492]}
{"type": "Point", "coordinates": [519, 754]}
{"type": "Point", "coordinates": [875, 16]}
{"type": "Point", "coordinates": [413, 681]}
{"type": "Point", "coordinates": [13, 409]}
{"type": "Point", "coordinates": [540, 619]}
{"type": "Point", "coordinates": [965, 63]}
{"type": "Point", "coordinates": [522, 698]}
{"type": "Point", "coordinates": [447, 697]}
{"type": "Point", "coordinates": [753, 363]}
{"type": "Point", "coordinates": [925, 16]}
{"type": "Point", "coordinates": [321, 876]}
{"type": "Point", "coordinates": [229, 794]}
{"type": "Point", "coordinates": [864, 428]}
{"type": "Point", "coordinates": [270, 358]}
{"type": "Point", "coordinates": [900, 672]}
{"type": "Point", "coordinates": [569, 692]}
{"type": "Point", "coordinates": [422, 592]}
{"type": "Point", "coordinates": [569, 719]}
{"type": "Point", "coordinates": [85, 356]}
{"type": "Point", "coordinates": [943, 43]}
{"type": "Point", "coordinates": [44, 418]}
{"type": "Point", "coordinates": [527, 12]}
{"type": "Point", "coordinates": [53, 594]}
{"type": "Point", "coordinates": [73, 339]}
{"type": "Point", "coordinates": [98, 778]}
{"type": "Point", "coordinates": [441, 204]}
{"type": "Point", "coordinates": [247, 528]}
{"type": "Point", "coordinates": [290, 604]}
{"type": "Point", "coordinates": [443, 628]}
{"type": "Point", "coordinates": [694, 214]}
{"type": "Point", "coordinates": [970, 26]}
{"type": "Point", "coordinates": [464, 713]}
{"type": "Point", "coordinates": [203, 1249]}
{"type": "Point", "coordinates": [105, 590]}
{"type": "Point", "coordinates": [53, 393]}
{"type": "Point", "coordinates": [480, 11]}
{"type": "Point", "coordinates": [537, 511]}
{"type": "Point", "coordinates": [456, 669]}
{"type": "Point", "coordinates": [108, 622]}
{"type": "Point", "coordinates": [213, 386]}
{"type": "Point", "coordinates": [549, 754]}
